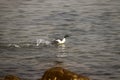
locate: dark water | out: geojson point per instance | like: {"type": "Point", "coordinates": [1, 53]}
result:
{"type": "Point", "coordinates": [92, 50]}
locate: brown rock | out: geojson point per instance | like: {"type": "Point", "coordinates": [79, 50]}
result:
{"type": "Point", "coordinates": [11, 77]}
{"type": "Point", "coordinates": [58, 73]}
{"type": "Point", "coordinates": [1, 78]}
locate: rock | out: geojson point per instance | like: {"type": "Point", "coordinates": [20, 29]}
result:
{"type": "Point", "coordinates": [59, 73]}
{"type": "Point", "coordinates": [1, 78]}
{"type": "Point", "coordinates": [11, 77]}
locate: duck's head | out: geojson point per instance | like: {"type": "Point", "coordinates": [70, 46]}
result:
{"type": "Point", "coordinates": [66, 36]}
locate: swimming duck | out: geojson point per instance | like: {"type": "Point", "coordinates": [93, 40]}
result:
{"type": "Point", "coordinates": [60, 41]}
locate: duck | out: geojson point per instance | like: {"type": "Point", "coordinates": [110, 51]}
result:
{"type": "Point", "coordinates": [60, 41]}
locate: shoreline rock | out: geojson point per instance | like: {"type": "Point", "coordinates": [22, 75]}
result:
{"type": "Point", "coordinates": [54, 73]}
{"type": "Point", "coordinates": [59, 73]}
{"type": "Point", "coordinates": [10, 77]}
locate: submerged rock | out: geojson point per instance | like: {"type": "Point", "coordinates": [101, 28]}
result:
{"type": "Point", "coordinates": [11, 77]}
{"type": "Point", "coordinates": [59, 73]}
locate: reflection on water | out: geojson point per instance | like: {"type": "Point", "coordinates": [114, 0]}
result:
{"type": "Point", "coordinates": [93, 48]}
{"type": "Point", "coordinates": [61, 49]}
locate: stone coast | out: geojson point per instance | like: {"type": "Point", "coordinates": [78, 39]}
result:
{"type": "Point", "coordinates": [54, 73]}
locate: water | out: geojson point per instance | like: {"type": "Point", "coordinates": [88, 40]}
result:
{"type": "Point", "coordinates": [92, 50]}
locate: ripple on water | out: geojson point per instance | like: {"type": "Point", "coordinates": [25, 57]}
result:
{"type": "Point", "coordinates": [91, 50]}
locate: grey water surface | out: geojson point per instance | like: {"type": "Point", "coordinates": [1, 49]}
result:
{"type": "Point", "coordinates": [93, 48]}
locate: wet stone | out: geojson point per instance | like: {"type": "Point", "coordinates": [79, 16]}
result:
{"type": "Point", "coordinates": [59, 73]}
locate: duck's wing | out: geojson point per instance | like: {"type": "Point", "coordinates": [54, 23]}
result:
{"type": "Point", "coordinates": [54, 42]}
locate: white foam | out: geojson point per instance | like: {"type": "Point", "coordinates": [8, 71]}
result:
{"type": "Point", "coordinates": [42, 41]}
{"type": "Point", "coordinates": [14, 45]}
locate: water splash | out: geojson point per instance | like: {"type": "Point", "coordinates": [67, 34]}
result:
{"type": "Point", "coordinates": [14, 45]}
{"type": "Point", "coordinates": [42, 42]}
